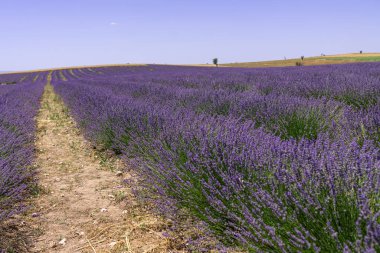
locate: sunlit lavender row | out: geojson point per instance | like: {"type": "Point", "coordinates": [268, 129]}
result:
{"type": "Point", "coordinates": [271, 160]}
{"type": "Point", "coordinates": [19, 103]}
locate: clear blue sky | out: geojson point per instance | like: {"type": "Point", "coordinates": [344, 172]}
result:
{"type": "Point", "coordinates": [54, 33]}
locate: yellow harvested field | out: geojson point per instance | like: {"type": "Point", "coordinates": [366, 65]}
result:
{"type": "Point", "coordinates": [309, 61]}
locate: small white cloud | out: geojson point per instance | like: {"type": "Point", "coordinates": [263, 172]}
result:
{"type": "Point", "coordinates": [114, 23]}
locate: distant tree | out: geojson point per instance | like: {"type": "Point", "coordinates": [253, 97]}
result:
{"type": "Point", "coordinates": [299, 64]}
{"type": "Point", "coordinates": [215, 61]}
{"type": "Point", "coordinates": [361, 51]}
{"type": "Point", "coordinates": [302, 57]}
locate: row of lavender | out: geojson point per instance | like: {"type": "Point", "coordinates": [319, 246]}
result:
{"type": "Point", "coordinates": [264, 182]}
{"type": "Point", "coordinates": [15, 78]}
{"type": "Point", "coordinates": [19, 103]}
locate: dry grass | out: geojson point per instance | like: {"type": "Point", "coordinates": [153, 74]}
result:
{"type": "Point", "coordinates": [310, 61]}
{"type": "Point", "coordinates": [15, 234]}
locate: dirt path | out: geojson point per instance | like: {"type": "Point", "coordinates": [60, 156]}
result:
{"type": "Point", "coordinates": [83, 207]}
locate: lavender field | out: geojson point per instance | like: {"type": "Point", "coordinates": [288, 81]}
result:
{"type": "Point", "coordinates": [19, 103]}
{"type": "Point", "coordinates": [270, 160]}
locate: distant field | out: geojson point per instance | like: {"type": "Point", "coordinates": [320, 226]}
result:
{"type": "Point", "coordinates": [309, 61]}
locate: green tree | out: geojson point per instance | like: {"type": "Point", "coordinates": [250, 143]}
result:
{"type": "Point", "coordinates": [215, 61]}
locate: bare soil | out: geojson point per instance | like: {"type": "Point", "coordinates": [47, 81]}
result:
{"type": "Point", "coordinates": [83, 206]}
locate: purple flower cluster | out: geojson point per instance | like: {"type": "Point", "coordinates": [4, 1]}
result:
{"type": "Point", "coordinates": [19, 103]}
{"type": "Point", "coordinates": [272, 160]}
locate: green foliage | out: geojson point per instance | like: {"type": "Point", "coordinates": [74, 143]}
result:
{"type": "Point", "coordinates": [8, 126]}
{"type": "Point", "coordinates": [211, 108]}
{"type": "Point", "coordinates": [300, 124]}
{"type": "Point", "coordinates": [357, 100]}
{"type": "Point", "coordinates": [356, 59]}
{"type": "Point", "coordinates": [266, 90]}
{"type": "Point", "coordinates": [364, 135]}
{"type": "Point", "coordinates": [106, 137]}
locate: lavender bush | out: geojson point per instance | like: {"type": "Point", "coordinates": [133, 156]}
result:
{"type": "Point", "coordinates": [272, 160]}
{"type": "Point", "coordinates": [19, 104]}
